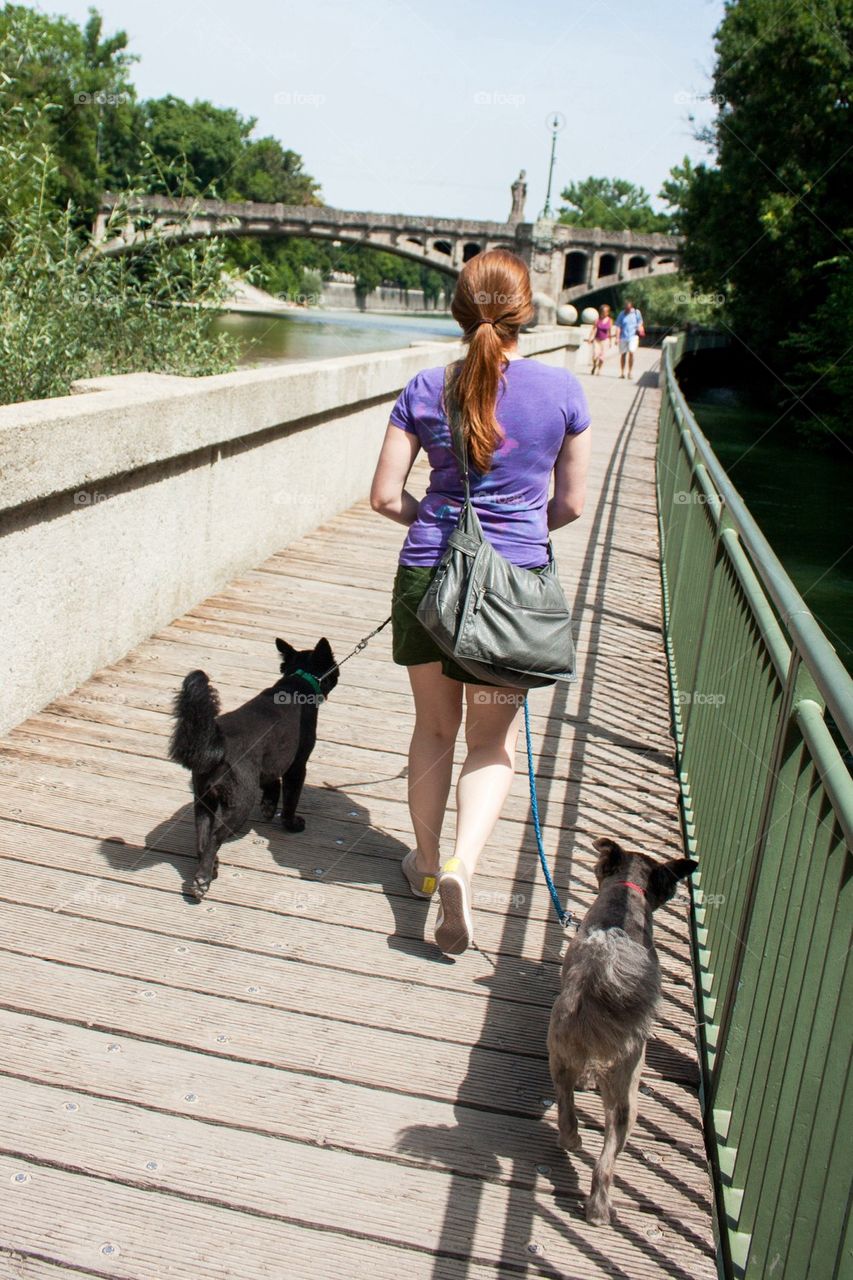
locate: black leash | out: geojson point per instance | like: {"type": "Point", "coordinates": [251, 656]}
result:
{"type": "Point", "coordinates": [358, 648]}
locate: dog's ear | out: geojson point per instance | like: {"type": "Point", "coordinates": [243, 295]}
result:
{"type": "Point", "coordinates": [287, 651]}
{"type": "Point", "coordinates": [664, 879]}
{"type": "Point", "coordinates": [323, 651]}
{"type": "Point", "coordinates": [610, 856]}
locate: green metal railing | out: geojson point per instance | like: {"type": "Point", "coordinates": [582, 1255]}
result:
{"type": "Point", "coordinates": [768, 812]}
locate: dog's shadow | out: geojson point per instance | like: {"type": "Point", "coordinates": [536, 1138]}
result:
{"type": "Point", "coordinates": [339, 846]}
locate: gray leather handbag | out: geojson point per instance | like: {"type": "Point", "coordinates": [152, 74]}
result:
{"type": "Point", "coordinates": [503, 624]}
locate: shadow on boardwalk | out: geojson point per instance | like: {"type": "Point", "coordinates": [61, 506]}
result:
{"type": "Point", "coordinates": [288, 1079]}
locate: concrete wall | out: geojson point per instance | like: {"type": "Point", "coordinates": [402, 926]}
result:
{"type": "Point", "coordinates": [336, 293]}
{"type": "Point", "coordinates": [125, 504]}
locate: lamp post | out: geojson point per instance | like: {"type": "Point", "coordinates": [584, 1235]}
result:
{"type": "Point", "coordinates": [555, 122]}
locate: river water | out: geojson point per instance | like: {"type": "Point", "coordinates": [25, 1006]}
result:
{"type": "Point", "coordinates": [321, 335]}
{"type": "Point", "coordinates": [799, 496]}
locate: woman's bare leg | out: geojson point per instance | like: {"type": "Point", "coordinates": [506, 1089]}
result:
{"type": "Point", "coordinates": [492, 722]}
{"type": "Point", "coordinates": [438, 715]}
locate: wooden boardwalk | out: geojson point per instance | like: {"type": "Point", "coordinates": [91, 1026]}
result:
{"type": "Point", "coordinates": [288, 1080]}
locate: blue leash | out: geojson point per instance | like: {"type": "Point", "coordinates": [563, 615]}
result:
{"type": "Point", "coordinates": [565, 917]}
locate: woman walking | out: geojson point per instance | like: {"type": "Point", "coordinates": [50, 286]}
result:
{"type": "Point", "coordinates": [601, 338]}
{"type": "Point", "coordinates": [524, 421]}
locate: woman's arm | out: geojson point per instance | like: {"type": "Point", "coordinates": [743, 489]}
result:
{"type": "Point", "coordinates": [570, 471]}
{"type": "Point", "coordinates": [388, 494]}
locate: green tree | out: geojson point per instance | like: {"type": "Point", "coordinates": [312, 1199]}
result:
{"type": "Point", "coordinates": [760, 223]}
{"type": "Point", "coordinates": [611, 203]}
{"type": "Point", "coordinates": [74, 95]}
{"type": "Point", "coordinates": [668, 301]}
{"type": "Point", "coordinates": [265, 171]}
{"type": "Point", "coordinates": [67, 313]}
{"type": "Point", "coordinates": [676, 191]}
{"type": "Point", "coordinates": [211, 139]}
{"type": "Point", "coordinates": [818, 376]}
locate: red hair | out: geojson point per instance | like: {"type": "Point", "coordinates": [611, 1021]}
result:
{"type": "Point", "coordinates": [492, 301]}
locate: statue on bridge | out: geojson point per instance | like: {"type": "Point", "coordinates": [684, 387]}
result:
{"type": "Point", "coordinates": [519, 194]}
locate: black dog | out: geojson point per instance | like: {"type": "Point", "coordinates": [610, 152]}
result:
{"type": "Point", "coordinates": [260, 746]}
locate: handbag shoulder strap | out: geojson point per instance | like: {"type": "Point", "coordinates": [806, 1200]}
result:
{"type": "Point", "coordinates": [460, 448]}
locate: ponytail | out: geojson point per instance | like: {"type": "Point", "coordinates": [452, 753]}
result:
{"type": "Point", "coordinates": [492, 301]}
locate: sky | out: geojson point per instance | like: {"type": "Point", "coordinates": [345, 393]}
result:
{"type": "Point", "coordinates": [433, 108]}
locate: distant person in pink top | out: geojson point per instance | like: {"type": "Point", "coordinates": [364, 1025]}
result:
{"type": "Point", "coordinates": [601, 338]}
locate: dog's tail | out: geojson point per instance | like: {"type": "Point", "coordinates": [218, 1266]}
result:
{"type": "Point", "coordinates": [197, 741]}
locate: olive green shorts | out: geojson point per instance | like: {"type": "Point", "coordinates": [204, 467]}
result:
{"type": "Point", "coordinates": [411, 644]}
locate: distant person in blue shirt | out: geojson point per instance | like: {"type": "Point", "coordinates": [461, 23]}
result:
{"type": "Point", "coordinates": [629, 329]}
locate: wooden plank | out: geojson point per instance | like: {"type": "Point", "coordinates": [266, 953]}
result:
{"type": "Point", "coordinates": [509, 886]}
{"type": "Point", "coordinates": [77, 1216]}
{"type": "Point", "coordinates": [271, 983]}
{"type": "Point", "coordinates": [33, 796]}
{"type": "Point", "coordinates": [305, 1024]}
{"type": "Point", "coordinates": [313, 908]}
{"type": "Point", "coordinates": [191, 1157]}
{"type": "Point", "coordinates": [561, 777]}
{"type": "Point", "coordinates": [19, 1266]}
{"type": "Point", "coordinates": [581, 754]}
{"type": "Point", "coordinates": [335, 819]}
{"type": "Point", "coordinates": [389, 794]}
{"type": "Point", "coordinates": [107, 1229]}
{"type": "Point", "coordinates": [278, 923]}
{"type": "Point", "coordinates": [349, 1116]}
{"type": "Point", "coordinates": [72, 744]}
{"type": "Point", "coordinates": [553, 735]}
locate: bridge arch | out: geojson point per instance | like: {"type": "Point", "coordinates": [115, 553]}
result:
{"type": "Point", "coordinates": [574, 268]}
{"type": "Point", "coordinates": [566, 264]}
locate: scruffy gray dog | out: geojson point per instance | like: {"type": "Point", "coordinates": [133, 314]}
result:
{"type": "Point", "coordinates": [604, 1013]}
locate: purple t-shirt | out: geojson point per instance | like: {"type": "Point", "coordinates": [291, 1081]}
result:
{"type": "Point", "coordinates": [536, 408]}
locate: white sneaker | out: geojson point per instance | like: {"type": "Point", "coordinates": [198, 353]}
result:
{"type": "Point", "coordinates": [454, 925]}
{"type": "Point", "coordinates": [421, 884]}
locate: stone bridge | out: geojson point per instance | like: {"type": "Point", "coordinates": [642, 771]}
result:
{"type": "Point", "coordinates": [566, 263]}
